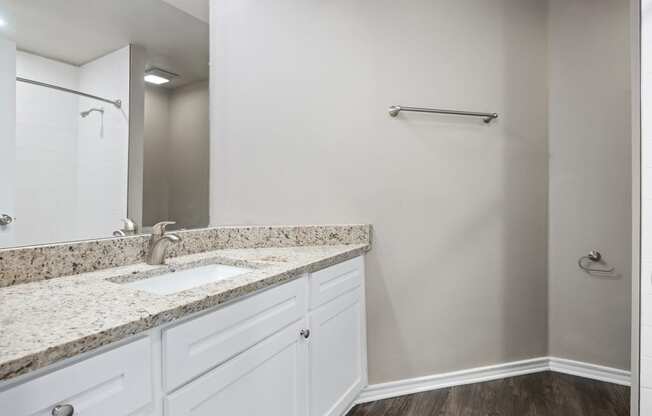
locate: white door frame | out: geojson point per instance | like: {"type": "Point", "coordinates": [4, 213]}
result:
{"type": "Point", "coordinates": [7, 137]}
{"type": "Point", "coordinates": [636, 202]}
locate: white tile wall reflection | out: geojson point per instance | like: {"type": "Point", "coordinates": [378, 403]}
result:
{"type": "Point", "coordinates": [71, 172]}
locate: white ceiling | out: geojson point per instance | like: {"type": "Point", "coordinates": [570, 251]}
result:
{"type": "Point", "coordinates": [79, 31]}
{"type": "Point", "coordinates": [196, 8]}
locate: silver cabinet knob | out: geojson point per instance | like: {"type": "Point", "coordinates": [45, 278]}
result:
{"type": "Point", "coordinates": [6, 219]}
{"type": "Point", "coordinates": [63, 410]}
{"type": "Point", "coordinates": [305, 333]}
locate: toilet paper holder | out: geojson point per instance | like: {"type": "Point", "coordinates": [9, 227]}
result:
{"type": "Point", "coordinates": [594, 256]}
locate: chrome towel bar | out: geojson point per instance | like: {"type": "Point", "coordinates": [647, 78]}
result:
{"type": "Point", "coordinates": [486, 117]}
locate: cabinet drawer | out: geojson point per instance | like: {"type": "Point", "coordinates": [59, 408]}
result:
{"type": "Point", "coordinates": [194, 347]}
{"type": "Point", "coordinates": [115, 383]}
{"type": "Point", "coordinates": [327, 284]}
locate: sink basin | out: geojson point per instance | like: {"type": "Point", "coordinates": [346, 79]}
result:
{"type": "Point", "coordinates": [174, 282]}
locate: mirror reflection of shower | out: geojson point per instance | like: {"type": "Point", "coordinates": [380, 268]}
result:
{"type": "Point", "coordinates": [100, 110]}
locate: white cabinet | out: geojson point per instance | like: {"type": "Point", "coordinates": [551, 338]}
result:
{"type": "Point", "coordinates": [114, 383]}
{"type": "Point", "coordinates": [298, 349]}
{"type": "Point", "coordinates": [267, 380]}
{"type": "Point", "coordinates": [337, 349]}
{"type": "Point", "coordinates": [290, 373]}
{"type": "Point", "coordinates": [200, 344]}
{"type": "Point", "coordinates": [334, 281]}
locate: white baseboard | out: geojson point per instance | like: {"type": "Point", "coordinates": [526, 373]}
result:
{"type": "Point", "coordinates": [494, 372]}
{"type": "Point", "coordinates": [456, 378]}
{"type": "Point", "coordinates": [592, 371]}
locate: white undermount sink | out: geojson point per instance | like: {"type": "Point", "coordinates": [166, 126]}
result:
{"type": "Point", "coordinates": [179, 281]}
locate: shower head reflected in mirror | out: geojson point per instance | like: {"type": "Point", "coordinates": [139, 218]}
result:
{"type": "Point", "coordinates": [100, 110]}
{"type": "Point", "coordinates": [85, 114]}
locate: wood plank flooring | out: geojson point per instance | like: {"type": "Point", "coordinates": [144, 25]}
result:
{"type": "Point", "coordinates": [542, 394]}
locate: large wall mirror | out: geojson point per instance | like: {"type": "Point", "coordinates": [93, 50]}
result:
{"type": "Point", "coordinates": [104, 115]}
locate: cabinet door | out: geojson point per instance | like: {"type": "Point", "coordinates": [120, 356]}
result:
{"type": "Point", "coordinates": [267, 380]}
{"type": "Point", "coordinates": [336, 346]}
{"type": "Point", "coordinates": [201, 344]}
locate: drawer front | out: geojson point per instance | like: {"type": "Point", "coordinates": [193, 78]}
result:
{"type": "Point", "coordinates": [194, 347]}
{"type": "Point", "coordinates": [327, 284]}
{"type": "Point", "coordinates": [115, 383]}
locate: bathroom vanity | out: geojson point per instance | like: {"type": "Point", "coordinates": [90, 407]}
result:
{"type": "Point", "coordinates": [104, 312]}
{"type": "Point", "coordinates": [284, 335]}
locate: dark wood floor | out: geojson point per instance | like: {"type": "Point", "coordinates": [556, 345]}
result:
{"type": "Point", "coordinates": [542, 394]}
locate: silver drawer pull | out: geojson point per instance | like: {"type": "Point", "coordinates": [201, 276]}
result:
{"type": "Point", "coordinates": [63, 410]}
{"type": "Point", "coordinates": [305, 333]}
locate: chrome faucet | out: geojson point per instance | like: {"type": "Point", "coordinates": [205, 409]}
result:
{"type": "Point", "coordinates": [159, 243]}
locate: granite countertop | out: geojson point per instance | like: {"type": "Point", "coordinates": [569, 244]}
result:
{"type": "Point", "coordinates": [46, 321]}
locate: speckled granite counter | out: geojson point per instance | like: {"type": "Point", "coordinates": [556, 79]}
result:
{"type": "Point", "coordinates": [45, 321]}
{"type": "Point", "coordinates": [30, 264]}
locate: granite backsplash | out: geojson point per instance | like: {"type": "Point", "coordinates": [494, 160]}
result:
{"type": "Point", "coordinates": [29, 264]}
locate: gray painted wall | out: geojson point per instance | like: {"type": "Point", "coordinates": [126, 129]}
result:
{"type": "Point", "coordinates": [156, 192]}
{"type": "Point", "coordinates": [176, 168]}
{"type": "Point", "coordinates": [590, 179]}
{"type": "Point", "coordinates": [190, 154]}
{"type": "Point", "coordinates": [300, 91]}
{"type": "Point", "coordinates": [458, 277]}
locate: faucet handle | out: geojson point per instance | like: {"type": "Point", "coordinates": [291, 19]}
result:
{"type": "Point", "coordinates": [159, 228]}
{"type": "Point", "coordinates": [129, 225]}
